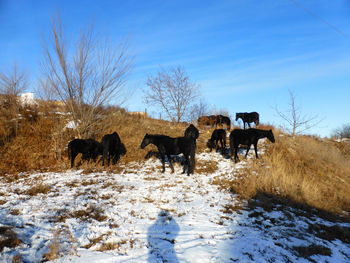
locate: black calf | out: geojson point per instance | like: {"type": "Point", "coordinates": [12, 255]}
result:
{"type": "Point", "coordinates": [217, 136]}
{"type": "Point", "coordinates": [89, 148]}
{"type": "Point", "coordinates": [112, 148]}
{"type": "Point", "coordinates": [248, 137]}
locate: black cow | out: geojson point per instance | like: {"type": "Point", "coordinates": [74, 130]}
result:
{"type": "Point", "coordinates": [248, 137]}
{"type": "Point", "coordinates": [89, 148]}
{"type": "Point", "coordinates": [221, 120]}
{"type": "Point", "coordinates": [217, 136]}
{"type": "Point", "coordinates": [173, 146]}
{"type": "Point", "coordinates": [113, 148]}
{"type": "Point", "coordinates": [248, 117]}
{"type": "Point", "coordinates": [207, 120]}
{"type": "Point", "coordinates": [192, 132]}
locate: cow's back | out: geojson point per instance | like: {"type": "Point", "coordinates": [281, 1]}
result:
{"type": "Point", "coordinates": [79, 145]}
{"type": "Point", "coordinates": [111, 141]}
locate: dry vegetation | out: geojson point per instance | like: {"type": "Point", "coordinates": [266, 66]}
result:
{"type": "Point", "coordinates": [40, 142]}
{"type": "Point", "coordinates": [304, 170]}
{"type": "Point", "coordinates": [8, 238]}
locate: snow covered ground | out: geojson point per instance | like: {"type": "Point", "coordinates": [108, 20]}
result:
{"type": "Point", "coordinates": [142, 215]}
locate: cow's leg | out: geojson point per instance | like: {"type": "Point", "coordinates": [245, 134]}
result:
{"type": "Point", "coordinates": [189, 165]}
{"type": "Point", "coordinates": [248, 148]}
{"type": "Point", "coordinates": [256, 150]}
{"type": "Point", "coordinates": [114, 158]}
{"type": "Point", "coordinates": [186, 164]}
{"type": "Point", "coordinates": [85, 157]}
{"type": "Point", "coordinates": [73, 155]}
{"type": "Point", "coordinates": [170, 163]}
{"type": "Point", "coordinates": [108, 159]}
{"type": "Point", "coordinates": [162, 157]}
{"type": "Point", "coordinates": [222, 144]}
{"type": "Point", "coordinates": [193, 163]}
{"type": "Point", "coordinates": [104, 157]}
{"type": "Point", "coordinates": [249, 124]}
{"type": "Point", "coordinates": [236, 154]}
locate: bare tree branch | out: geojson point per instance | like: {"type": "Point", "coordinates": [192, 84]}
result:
{"type": "Point", "coordinates": [11, 85]}
{"type": "Point", "coordinates": [86, 79]}
{"type": "Point", "coordinates": [173, 91]}
{"type": "Point", "coordinates": [296, 122]}
{"type": "Point", "coordinates": [199, 109]}
{"type": "Point", "coordinates": [14, 82]}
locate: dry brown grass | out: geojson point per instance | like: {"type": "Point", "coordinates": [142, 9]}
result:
{"type": "Point", "coordinates": [40, 143]}
{"type": "Point", "coordinates": [34, 145]}
{"type": "Point", "coordinates": [8, 238]}
{"type": "Point", "coordinates": [54, 248]}
{"type": "Point", "coordinates": [206, 167]}
{"type": "Point", "coordinates": [38, 189]}
{"type": "Point", "coordinates": [112, 245]}
{"type": "Point", "coordinates": [91, 212]}
{"type": "Point", "coordinates": [303, 169]}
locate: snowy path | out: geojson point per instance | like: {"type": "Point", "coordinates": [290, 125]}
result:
{"type": "Point", "coordinates": [159, 217]}
{"type": "Point", "coordinates": [142, 215]}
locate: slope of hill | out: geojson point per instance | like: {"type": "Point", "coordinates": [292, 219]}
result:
{"type": "Point", "coordinates": [290, 205]}
{"type": "Point", "coordinates": [141, 215]}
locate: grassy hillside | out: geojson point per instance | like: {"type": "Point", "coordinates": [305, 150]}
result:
{"type": "Point", "coordinates": [303, 169]}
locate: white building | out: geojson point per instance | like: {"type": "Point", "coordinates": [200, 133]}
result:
{"type": "Point", "coordinates": [27, 98]}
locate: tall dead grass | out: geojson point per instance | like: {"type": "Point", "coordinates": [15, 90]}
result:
{"type": "Point", "coordinates": [302, 169]}
{"type": "Point", "coordinates": [31, 148]}
{"type": "Point", "coordinates": [41, 142]}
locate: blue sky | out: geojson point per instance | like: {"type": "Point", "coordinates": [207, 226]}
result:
{"type": "Point", "coordinates": [244, 54]}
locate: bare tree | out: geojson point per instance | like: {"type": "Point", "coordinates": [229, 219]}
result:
{"type": "Point", "coordinates": [45, 91]}
{"type": "Point", "coordinates": [12, 84]}
{"type": "Point", "coordinates": [173, 91]}
{"type": "Point", "coordinates": [199, 109]}
{"type": "Point", "coordinates": [87, 78]}
{"type": "Point", "coordinates": [296, 121]}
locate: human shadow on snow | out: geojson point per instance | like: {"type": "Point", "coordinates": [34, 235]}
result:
{"type": "Point", "coordinates": [161, 239]}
